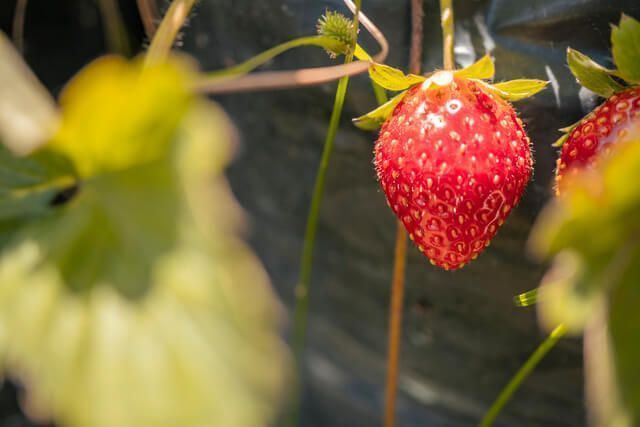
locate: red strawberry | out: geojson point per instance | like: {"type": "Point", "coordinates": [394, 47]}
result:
{"type": "Point", "coordinates": [595, 133]}
{"type": "Point", "coordinates": [453, 160]}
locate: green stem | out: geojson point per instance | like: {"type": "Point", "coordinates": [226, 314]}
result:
{"type": "Point", "coordinates": [522, 374]}
{"type": "Point", "coordinates": [446, 21]}
{"type": "Point", "coordinates": [116, 35]}
{"type": "Point", "coordinates": [168, 30]}
{"type": "Point", "coordinates": [301, 311]}
{"type": "Point", "coordinates": [256, 61]}
{"type": "Point", "coordinates": [527, 298]}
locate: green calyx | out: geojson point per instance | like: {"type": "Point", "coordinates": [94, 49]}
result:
{"type": "Point", "coordinates": [394, 79]}
{"type": "Point", "coordinates": [625, 49]}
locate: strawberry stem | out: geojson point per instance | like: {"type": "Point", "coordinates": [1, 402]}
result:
{"type": "Point", "coordinates": [446, 21]}
{"type": "Point", "coordinates": [395, 325]}
{"type": "Point", "coordinates": [400, 252]}
{"type": "Point", "coordinates": [301, 311]}
{"type": "Point", "coordinates": [168, 30]}
{"type": "Point", "coordinates": [522, 374]}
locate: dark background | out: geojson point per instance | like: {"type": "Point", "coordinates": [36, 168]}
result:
{"type": "Point", "coordinates": [463, 337]}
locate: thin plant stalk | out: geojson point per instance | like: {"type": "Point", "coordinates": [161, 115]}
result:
{"type": "Point", "coordinates": [17, 27]}
{"type": "Point", "coordinates": [149, 16]}
{"type": "Point", "coordinates": [268, 80]}
{"type": "Point", "coordinates": [521, 375]}
{"type": "Point", "coordinates": [446, 21]}
{"type": "Point", "coordinates": [115, 33]}
{"type": "Point", "coordinates": [395, 325]}
{"type": "Point", "coordinates": [400, 252]}
{"type": "Point", "coordinates": [168, 30]}
{"type": "Point", "coordinates": [301, 311]}
{"type": "Point", "coordinates": [269, 54]}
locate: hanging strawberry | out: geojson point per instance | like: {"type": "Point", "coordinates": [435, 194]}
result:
{"type": "Point", "coordinates": [612, 120]}
{"type": "Point", "coordinates": [452, 157]}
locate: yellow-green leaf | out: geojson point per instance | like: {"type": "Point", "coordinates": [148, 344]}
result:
{"type": "Point", "coordinates": [481, 69]}
{"type": "Point", "coordinates": [560, 141]}
{"type": "Point", "coordinates": [515, 90]}
{"type": "Point", "coordinates": [592, 75]}
{"type": "Point", "coordinates": [139, 291]}
{"type": "Point", "coordinates": [391, 78]}
{"type": "Point", "coordinates": [117, 115]}
{"type": "Point", "coordinates": [625, 46]}
{"type": "Point", "coordinates": [374, 119]}
{"type": "Point", "coordinates": [361, 54]}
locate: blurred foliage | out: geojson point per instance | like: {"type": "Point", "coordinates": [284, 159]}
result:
{"type": "Point", "coordinates": [127, 298]}
{"type": "Point", "coordinates": [592, 233]}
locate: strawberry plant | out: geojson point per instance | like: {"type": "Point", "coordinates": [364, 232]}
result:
{"type": "Point", "coordinates": [590, 233]}
{"type": "Point", "coordinates": [123, 271]}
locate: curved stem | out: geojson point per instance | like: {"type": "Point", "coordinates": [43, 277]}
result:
{"type": "Point", "coordinates": [296, 78]}
{"type": "Point", "coordinates": [249, 65]}
{"type": "Point", "coordinates": [116, 36]}
{"type": "Point", "coordinates": [400, 253]}
{"type": "Point", "coordinates": [446, 21]}
{"type": "Point", "coordinates": [171, 23]}
{"type": "Point", "coordinates": [149, 15]}
{"type": "Point", "coordinates": [301, 312]}
{"type": "Point", "coordinates": [18, 24]}
{"type": "Point", "coordinates": [522, 374]}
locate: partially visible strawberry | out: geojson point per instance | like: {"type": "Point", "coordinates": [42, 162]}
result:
{"type": "Point", "coordinates": [595, 133]}
{"type": "Point", "coordinates": [453, 160]}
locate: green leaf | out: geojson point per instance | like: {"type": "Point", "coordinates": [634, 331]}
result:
{"type": "Point", "coordinates": [393, 79]}
{"type": "Point", "coordinates": [361, 54]}
{"type": "Point", "coordinates": [374, 119]}
{"type": "Point", "coordinates": [625, 46]}
{"type": "Point", "coordinates": [560, 141]}
{"type": "Point", "coordinates": [481, 69]}
{"type": "Point", "coordinates": [600, 204]}
{"type": "Point", "coordinates": [619, 398]}
{"type": "Point", "coordinates": [28, 185]}
{"type": "Point", "coordinates": [139, 291]}
{"type": "Point", "coordinates": [591, 75]}
{"type": "Point", "coordinates": [515, 90]}
{"type": "Point", "coordinates": [565, 297]}
{"type": "Point", "coordinates": [118, 115]}
{"type": "Point", "coordinates": [28, 117]}
{"type": "Point", "coordinates": [611, 348]}
{"type": "Point", "coordinates": [526, 299]}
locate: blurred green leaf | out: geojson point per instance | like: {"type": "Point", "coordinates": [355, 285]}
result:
{"type": "Point", "coordinates": [592, 231]}
{"type": "Point", "coordinates": [481, 69]}
{"type": "Point", "coordinates": [623, 324]}
{"type": "Point", "coordinates": [136, 303]}
{"type": "Point", "coordinates": [391, 78]}
{"type": "Point", "coordinates": [592, 75]}
{"type": "Point", "coordinates": [625, 46]}
{"type": "Point", "coordinates": [28, 185]}
{"type": "Point", "coordinates": [117, 115]}
{"type": "Point", "coordinates": [374, 119]}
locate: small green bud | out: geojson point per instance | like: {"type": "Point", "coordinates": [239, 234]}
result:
{"type": "Point", "coordinates": [340, 28]}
